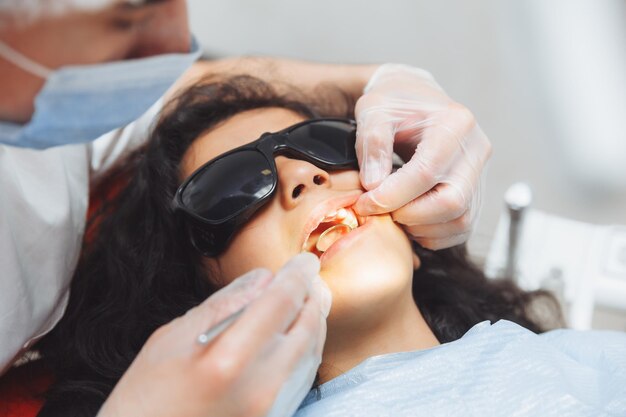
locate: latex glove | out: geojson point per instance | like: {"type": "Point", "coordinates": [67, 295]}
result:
{"type": "Point", "coordinates": [240, 373]}
{"type": "Point", "coordinates": [436, 193]}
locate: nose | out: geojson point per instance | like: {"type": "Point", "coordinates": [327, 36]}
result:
{"type": "Point", "coordinates": [296, 178]}
{"type": "Point", "coordinates": [166, 31]}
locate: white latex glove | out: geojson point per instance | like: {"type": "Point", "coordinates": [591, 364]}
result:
{"type": "Point", "coordinates": [240, 373]}
{"type": "Point", "coordinates": [436, 193]}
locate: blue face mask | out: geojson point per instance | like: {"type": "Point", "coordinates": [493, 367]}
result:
{"type": "Point", "coordinates": [80, 103]}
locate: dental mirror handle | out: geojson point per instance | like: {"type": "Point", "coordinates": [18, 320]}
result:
{"type": "Point", "coordinates": [206, 337]}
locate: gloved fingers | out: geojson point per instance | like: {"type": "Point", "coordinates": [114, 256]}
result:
{"type": "Point", "coordinates": [434, 152]}
{"type": "Point", "coordinates": [447, 138]}
{"type": "Point", "coordinates": [460, 225]}
{"type": "Point", "coordinates": [443, 243]}
{"type": "Point", "coordinates": [185, 329]}
{"type": "Point", "coordinates": [379, 118]}
{"type": "Point", "coordinates": [321, 292]}
{"type": "Point", "coordinates": [232, 297]}
{"type": "Point", "coordinates": [271, 313]}
{"type": "Point", "coordinates": [434, 214]}
{"type": "Point", "coordinates": [306, 334]}
{"type": "Point", "coordinates": [400, 77]}
{"type": "Point", "coordinates": [322, 296]}
{"type": "Point", "coordinates": [301, 341]}
{"type": "Point", "coordinates": [460, 139]}
{"type": "Point", "coordinates": [289, 364]}
{"type": "Point", "coordinates": [458, 193]}
{"type": "Point", "coordinates": [396, 190]}
{"type": "Point", "coordinates": [443, 203]}
{"type": "Point", "coordinates": [374, 146]}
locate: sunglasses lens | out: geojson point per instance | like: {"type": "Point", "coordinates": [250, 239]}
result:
{"type": "Point", "coordinates": [229, 185]}
{"type": "Point", "coordinates": [330, 141]}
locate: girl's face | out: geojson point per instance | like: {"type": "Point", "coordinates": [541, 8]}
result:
{"type": "Point", "coordinates": [370, 266]}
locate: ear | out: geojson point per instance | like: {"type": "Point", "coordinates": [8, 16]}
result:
{"type": "Point", "coordinates": [417, 262]}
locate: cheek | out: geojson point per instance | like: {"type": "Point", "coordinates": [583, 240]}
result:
{"type": "Point", "coordinates": [346, 180]}
{"type": "Point", "coordinates": [258, 245]}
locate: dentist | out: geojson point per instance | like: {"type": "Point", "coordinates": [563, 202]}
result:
{"type": "Point", "coordinates": [80, 84]}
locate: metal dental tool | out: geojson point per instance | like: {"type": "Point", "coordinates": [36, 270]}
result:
{"type": "Point", "coordinates": [220, 327]}
{"type": "Point", "coordinates": [326, 238]}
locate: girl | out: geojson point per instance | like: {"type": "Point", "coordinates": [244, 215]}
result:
{"type": "Point", "coordinates": [213, 196]}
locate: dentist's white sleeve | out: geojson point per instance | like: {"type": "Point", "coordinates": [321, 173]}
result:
{"type": "Point", "coordinates": [43, 205]}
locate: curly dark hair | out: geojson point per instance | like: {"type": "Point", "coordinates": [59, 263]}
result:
{"type": "Point", "coordinates": [139, 270]}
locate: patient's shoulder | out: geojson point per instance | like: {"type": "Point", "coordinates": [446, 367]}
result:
{"type": "Point", "coordinates": [596, 348]}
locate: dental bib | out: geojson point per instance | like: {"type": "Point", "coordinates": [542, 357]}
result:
{"type": "Point", "coordinates": [493, 370]}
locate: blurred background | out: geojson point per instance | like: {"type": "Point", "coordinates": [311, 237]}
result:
{"type": "Point", "coordinates": [545, 79]}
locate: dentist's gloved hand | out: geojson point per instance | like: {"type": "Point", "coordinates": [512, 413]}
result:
{"type": "Point", "coordinates": [436, 193]}
{"type": "Point", "coordinates": [263, 364]}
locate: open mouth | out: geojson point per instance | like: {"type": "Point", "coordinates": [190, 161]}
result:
{"type": "Point", "coordinates": [332, 227]}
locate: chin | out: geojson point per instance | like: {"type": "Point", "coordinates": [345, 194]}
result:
{"type": "Point", "coordinates": [375, 269]}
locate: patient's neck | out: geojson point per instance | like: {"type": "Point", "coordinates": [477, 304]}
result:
{"type": "Point", "coordinates": [403, 329]}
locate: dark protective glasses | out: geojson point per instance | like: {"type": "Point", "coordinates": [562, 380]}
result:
{"type": "Point", "coordinates": [224, 193]}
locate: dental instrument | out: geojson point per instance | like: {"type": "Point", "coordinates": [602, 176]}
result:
{"type": "Point", "coordinates": [220, 327]}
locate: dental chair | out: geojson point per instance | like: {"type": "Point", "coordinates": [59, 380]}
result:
{"type": "Point", "coordinates": [582, 264]}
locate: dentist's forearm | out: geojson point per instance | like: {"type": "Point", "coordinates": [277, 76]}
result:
{"type": "Point", "coordinates": [285, 73]}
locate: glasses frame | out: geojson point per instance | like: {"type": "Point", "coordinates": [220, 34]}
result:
{"type": "Point", "coordinates": [210, 237]}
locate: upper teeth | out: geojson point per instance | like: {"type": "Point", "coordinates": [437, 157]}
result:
{"type": "Point", "coordinates": [345, 216]}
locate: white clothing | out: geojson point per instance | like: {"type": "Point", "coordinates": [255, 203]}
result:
{"type": "Point", "coordinates": [44, 196]}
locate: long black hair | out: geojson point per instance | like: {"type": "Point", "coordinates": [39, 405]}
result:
{"type": "Point", "coordinates": [138, 271]}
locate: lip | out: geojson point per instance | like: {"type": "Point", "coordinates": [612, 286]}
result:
{"type": "Point", "coordinates": [323, 208]}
